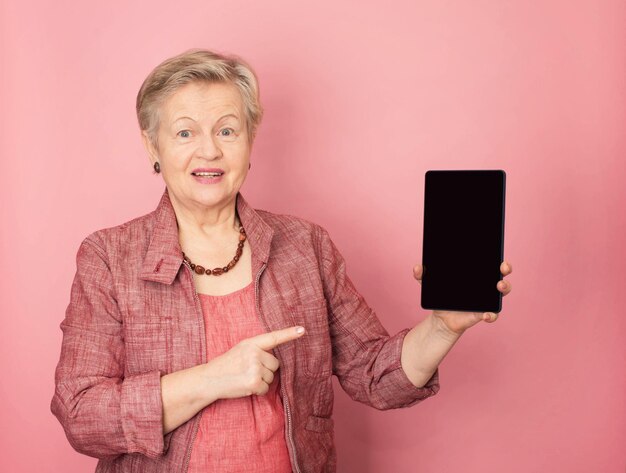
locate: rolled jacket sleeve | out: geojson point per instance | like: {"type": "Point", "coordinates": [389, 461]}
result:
{"type": "Point", "coordinates": [103, 412]}
{"type": "Point", "coordinates": [366, 360]}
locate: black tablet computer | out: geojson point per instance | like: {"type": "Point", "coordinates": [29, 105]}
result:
{"type": "Point", "coordinates": [463, 244]}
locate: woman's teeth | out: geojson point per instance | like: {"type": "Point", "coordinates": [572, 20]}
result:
{"type": "Point", "coordinates": [211, 174]}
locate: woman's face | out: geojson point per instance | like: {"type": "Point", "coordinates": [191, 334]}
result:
{"type": "Point", "coordinates": [202, 128]}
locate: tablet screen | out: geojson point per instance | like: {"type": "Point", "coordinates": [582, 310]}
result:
{"type": "Point", "coordinates": [463, 244]}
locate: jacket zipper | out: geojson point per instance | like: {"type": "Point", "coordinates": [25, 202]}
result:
{"type": "Point", "coordinates": [292, 450]}
{"type": "Point", "coordinates": [197, 423]}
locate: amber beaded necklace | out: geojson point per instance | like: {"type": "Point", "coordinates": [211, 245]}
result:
{"type": "Point", "coordinates": [218, 271]}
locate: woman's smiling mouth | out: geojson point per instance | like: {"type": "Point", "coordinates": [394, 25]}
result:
{"type": "Point", "coordinates": [208, 176]}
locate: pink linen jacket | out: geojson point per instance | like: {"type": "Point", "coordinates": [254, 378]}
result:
{"type": "Point", "coordinates": [134, 315]}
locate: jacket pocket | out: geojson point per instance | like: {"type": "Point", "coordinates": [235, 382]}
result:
{"type": "Point", "coordinates": [148, 345]}
{"type": "Point", "coordinates": [314, 347]}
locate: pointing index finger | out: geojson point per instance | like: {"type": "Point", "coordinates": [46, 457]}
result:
{"type": "Point", "coordinates": [267, 341]}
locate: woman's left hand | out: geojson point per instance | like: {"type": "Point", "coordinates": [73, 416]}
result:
{"type": "Point", "coordinates": [457, 322]}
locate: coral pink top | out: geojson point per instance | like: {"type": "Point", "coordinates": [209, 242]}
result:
{"type": "Point", "coordinates": [246, 433]}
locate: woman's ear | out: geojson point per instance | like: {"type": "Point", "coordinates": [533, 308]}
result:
{"type": "Point", "coordinates": [147, 143]}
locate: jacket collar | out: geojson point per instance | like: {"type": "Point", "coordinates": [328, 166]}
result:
{"type": "Point", "coordinates": [164, 256]}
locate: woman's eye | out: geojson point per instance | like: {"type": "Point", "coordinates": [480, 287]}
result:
{"type": "Point", "coordinates": [227, 132]}
{"type": "Point", "coordinates": [184, 134]}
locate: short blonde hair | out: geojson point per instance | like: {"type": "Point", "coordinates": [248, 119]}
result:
{"type": "Point", "coordinates": [197, 65]}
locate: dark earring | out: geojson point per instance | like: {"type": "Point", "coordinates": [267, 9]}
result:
{"type": "Point", "coordinates": [157, 167]}
{"type": "Point", "coordinates": [249, 165]}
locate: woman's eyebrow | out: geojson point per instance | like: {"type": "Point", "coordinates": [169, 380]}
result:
{"type": "Point", "coordinates": [228, 115]}
{"type": "Point", "coordinates": [182, 118]}
{"type": "Point", "coordinates": [221, 118]}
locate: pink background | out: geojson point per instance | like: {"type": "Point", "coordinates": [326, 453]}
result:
{"type": "Point", "coordinates": [361, 100]}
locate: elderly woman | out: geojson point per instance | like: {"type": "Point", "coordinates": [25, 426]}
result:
{"type": "Point", "coordinates": [203, 335]}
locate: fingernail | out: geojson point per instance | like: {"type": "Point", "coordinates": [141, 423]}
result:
{"type": "Point", "coordinates": [299, 329]}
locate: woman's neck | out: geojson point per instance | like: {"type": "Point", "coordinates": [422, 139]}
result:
{"type": "Point", "coordinates": [206, 224]}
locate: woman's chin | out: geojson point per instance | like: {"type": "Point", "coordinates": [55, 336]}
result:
{"type": "Point", "coordinates": [211, 197]}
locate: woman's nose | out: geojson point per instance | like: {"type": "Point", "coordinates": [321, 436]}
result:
{"type": "Point", "coordinates": [209, 147]}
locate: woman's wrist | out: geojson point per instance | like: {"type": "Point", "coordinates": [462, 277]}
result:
{"type": "Point", "coordinates": [207, 389]}
{"type": "Point", "coordinates": [185, 393]}
{"type": "Point", "coordinates": [440, 330]}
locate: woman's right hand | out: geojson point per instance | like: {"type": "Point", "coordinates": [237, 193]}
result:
{"type": "Point", "coordinates": [245, 369]}
{"type": "Point", "coordinates": [248, 367]}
